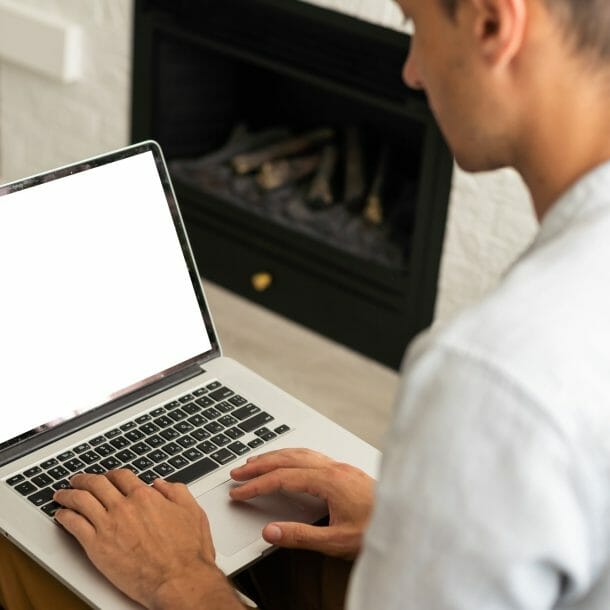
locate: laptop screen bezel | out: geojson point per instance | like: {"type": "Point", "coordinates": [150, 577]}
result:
{"type": "Point", "coordinates": [31, 440]}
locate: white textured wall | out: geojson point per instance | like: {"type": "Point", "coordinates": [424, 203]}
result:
{"type": "Point", "coordinates": [44, 123]}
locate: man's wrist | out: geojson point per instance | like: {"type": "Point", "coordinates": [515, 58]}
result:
{"type": "Point", "coordinates": [203, 587]}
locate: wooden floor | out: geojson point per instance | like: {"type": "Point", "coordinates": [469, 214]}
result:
{"type": "Point", "coordinates": [350, 389]}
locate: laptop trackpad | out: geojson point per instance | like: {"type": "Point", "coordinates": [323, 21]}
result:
{"type": "Point", "coordinates": [235, 525]}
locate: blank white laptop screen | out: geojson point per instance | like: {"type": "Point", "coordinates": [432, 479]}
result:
{"type": "Point", "coordinates": [95, 291]}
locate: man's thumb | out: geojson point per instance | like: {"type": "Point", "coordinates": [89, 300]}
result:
{"type": "Point", "coordinates": [297, 536]}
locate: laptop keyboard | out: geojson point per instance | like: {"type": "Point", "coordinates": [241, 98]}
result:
{"type": "Point", "coordinates": [182, 441]}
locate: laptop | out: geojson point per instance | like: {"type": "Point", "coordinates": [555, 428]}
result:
{"type": "Point", "coordinates": [110, 359]}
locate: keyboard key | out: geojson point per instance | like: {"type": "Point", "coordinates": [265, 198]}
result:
{"type": "Point", "coordinates": [140, 448]}
{"type": "Point", "coordinates": [126, 456]}
{"type": "Point", "coordinates": [148, 477]}
{"type": "Point", "coordinates": [112, 433]}
{"type": "Point", "coordinates": [257, 442]}
{"type": "Point", "coordinates": [282, 429]}
{"type": "Point", "coordinates": [155, 441]}
{"type": "Point", "coordinates": [142, 463]}
{"type": "Point", "coordinates": [130, 467]}
{"type": "Point", "coordinates": [267, 436]}
{"type": "Point", "coordinates": [213, 385]}
{"type": "Point", "coordinates": [183, 427]}
{"type": "Point", "coordinates": [95, 469]}
{"type": "Point", "coordinates": [214, 427]}
{"type": "Point", "coordinates": [74, 465]}
{"type": "Point", "coordinates": [207, 447]}
{"type": "Point", "coordinates": [200, 435]}
{"type": "Point", "coordinates": [51, 508]}
{"type": "Point", "coordinates": [18, 478]}
{"type": "Point", "coordinates": [66, 455]}
{"type": "Point", "coordinates": [25, 488]}
{"type": "Point", "coordinates": [32, 471]}
{"type": "Point", "coordinates": [82, 447]}
{"type": "Point", "coordinates": [223, 456]}
{"type": "Point", "coordinates": [245, 412]}
{"type": "Point", "coordinates": [42, 480]}
{"type": "Point", "coordinates": [197, 420]}
{"type": "Point", "coordinates": [178, 414]}
{"type": "Point", "coordinates": [199, 392]}
{"type": "Point", "coordinates": [237, 400]}
{"type": "Point", "coordinates": [172, 448]}
{"type": "Point", "coordinates": [157, 456]}
{"type": "Point", "coordinates": [221, 393]}
{"type": "Point", "coordinates": [224, 406]}
{"type": "Point", "coordinates": [120, 442]}
{"type": "Point", "coordinates": [186, 398]}
{"type": "Point", "coordinates": [191, 408]}
{"type": "Point", "coordinates": [89, 457]}
{"type": "Point", "coordinates": [221, 440]}
{"type": "Point", "coordinates": [164, 421]}
{"type": "Point", "coordinates": [158, 411]}
{"type": "Point", "coordinates": [238, 448]}
{"type": "Point", "coordinates": [98, 440]}
{"type": "Point", "coordinates": [42, 497]}
{"type": "Point", "coordinates": [164, 469]}
{"type": "Point", "coordinates": [186, 441]}
{"type": "Point", "coordinates": [59, 472]}
{"type": "Point", "coordinates": [172, 405]}
{"type": "Point", "coordinates": [130, 425]}
{"type": "Point", "coordinates": [178, 462]}
{"type": "Point", "coordinates": [63, 484]}
{"type": "Point", "coordinates": [135, 435]}
{"type": "Point", "coordinates": [212, 413]}
{"type": "Point", "coordinates": [234, 433]}
{"type": "Point", "coordinates": [169, 434]}
{"type": "Point", "coordinates": [143, 418]}
{"type": "Point", "coordinates": [256, 422]}
{"type": "Point", "coordinates": [195, 471]}
{"type": "Point", "coordinates": [192, 454]}
{"type": "Point", "coordinates": [104, 450]}
{"type": "Point", "coordinates": [110, 463]}
{"type": "Point", "coordinates": [205, 402]}
{"type": "Point", "coordinates": [227, 420]}
{"type": "Point", "coordinates": [49, 463]}
{"type": "Point", "coordinates": [149, 429]}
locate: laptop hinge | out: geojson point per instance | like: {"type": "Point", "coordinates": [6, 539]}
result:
{"type": "Point", "coordinates": [32, 443]}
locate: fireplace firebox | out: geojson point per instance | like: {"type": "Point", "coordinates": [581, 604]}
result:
{"type": "Point", "coordinates": [310, 179]}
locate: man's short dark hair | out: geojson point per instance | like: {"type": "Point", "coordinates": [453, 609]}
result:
{"type": "Point", "coordinates": [585, 22]}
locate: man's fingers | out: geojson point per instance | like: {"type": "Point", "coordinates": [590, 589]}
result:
{"type": "Point", "coordinates": [99, 487]}
{"type": "Point", "coordinates": [83, 502]}
{"type": "Point", "coordinates": [124, 480]}
{"type": "Point", "coordinates": [175, 492]}
{"type": "Point", "coordinates": [281, 458]}
{"type": "Point", "coordinates": [77, 525]}
{"type": "Point", "coordinates": [307, 480]}
{"type": "Point", "coordinates": [298, 536]}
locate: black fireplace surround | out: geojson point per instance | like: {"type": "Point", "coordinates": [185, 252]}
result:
{"type": "Point", "coordinates": [202, 67]}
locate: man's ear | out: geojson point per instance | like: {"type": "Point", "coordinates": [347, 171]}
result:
{"type": "Point", "coordinates": [499, 28]}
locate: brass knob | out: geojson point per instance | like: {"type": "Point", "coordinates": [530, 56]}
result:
{"type": "Point", "coordinates": [261, 281]}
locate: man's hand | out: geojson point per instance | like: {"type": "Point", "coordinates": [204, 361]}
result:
{"type": "Point", "coordinates": [347, 490]}
{"type": "Point", "coordinates": [154, 544]}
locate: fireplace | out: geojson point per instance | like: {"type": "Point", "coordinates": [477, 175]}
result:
{"type": "Point", "coordinates": [216, 79]}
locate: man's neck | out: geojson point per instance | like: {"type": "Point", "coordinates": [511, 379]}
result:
{"type": "Point", "coordinates": [568, 136]}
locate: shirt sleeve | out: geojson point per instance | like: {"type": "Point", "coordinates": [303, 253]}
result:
{"type": "Point", "coordinates": [481, 503]}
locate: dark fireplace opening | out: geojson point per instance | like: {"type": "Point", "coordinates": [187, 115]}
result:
{"type": "Point", "coordinates": [342, 202]}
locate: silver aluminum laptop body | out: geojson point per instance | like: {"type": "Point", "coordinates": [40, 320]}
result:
{"type": "Point", "coordinates": [103, 320]}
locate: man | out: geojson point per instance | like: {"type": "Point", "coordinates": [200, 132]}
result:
{"type": "Point", "coordinates": [495, 486]}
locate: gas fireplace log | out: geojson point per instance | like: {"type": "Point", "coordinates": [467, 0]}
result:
{"type": "Point", "coordinates": [248, 162]}
{"type": "Point", "coordinates": [321, 191]}
{"type": "Point", "coordinates": [274, 174]}
{"type": "Point", "coordinates": [354, 190]}
{"type": "Point", "coordinates": [240, 141]}
{"type": "Point", "coordinates": [373, 210]}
